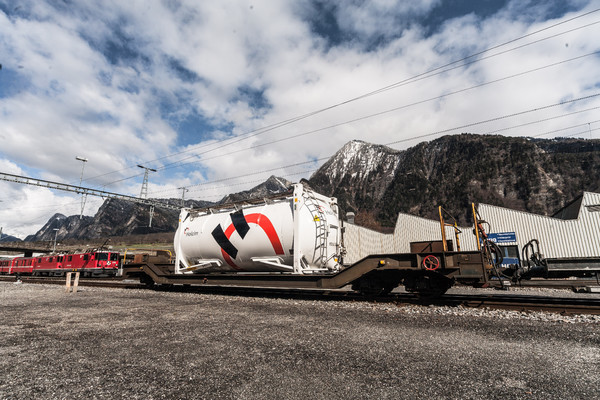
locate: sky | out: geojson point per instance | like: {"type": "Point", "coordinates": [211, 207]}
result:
{"type": "Point", "coordinates": [216, 96]}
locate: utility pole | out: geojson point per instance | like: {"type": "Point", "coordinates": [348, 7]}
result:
{"type": "Point", "coordinates": [55, 235]}
{"type": "Point", "coordinates": [0, 200]}
{"type": "Point", "coordinates": [83, 196]}
{"type": "Point", "coordinates": [144, 191]}
{"type": "Point", "coordinates": [183, 190]}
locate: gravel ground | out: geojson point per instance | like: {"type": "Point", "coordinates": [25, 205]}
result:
{"type": "Point", "coordinates": [114, 343]}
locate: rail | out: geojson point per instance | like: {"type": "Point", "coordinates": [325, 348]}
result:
{"type": "Point", "coordinates": [479, 300]}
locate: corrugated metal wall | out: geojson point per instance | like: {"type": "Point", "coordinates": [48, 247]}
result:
{"type": "Point", "coordinates": [361, 242]}
{"type": "Point", "coordinates": [558, 238]}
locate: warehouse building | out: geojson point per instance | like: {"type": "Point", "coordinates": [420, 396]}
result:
{"type": "Point", "coordinates": [411, 235]}
{"type": "Point", "coordinates": [572, 232]}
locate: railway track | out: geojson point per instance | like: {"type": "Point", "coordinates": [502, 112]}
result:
{"type": "Point", "coordinates": [497, 301]}
{"type": "Point", "coordinates": [524, 303]}
{"type": "Point", "coordinates": [577, 285]}
{"type": "Point", "coordinates": [94, 282]}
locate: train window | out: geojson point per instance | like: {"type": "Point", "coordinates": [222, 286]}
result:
{"type": "Point", "coordinates": [59, 258]}
{"type": "Point", "coordinates": [510, 255]}
{"type": "Point", "coordinates": [114, 257]}
{"type": "Point", "coordinates": [70, 258]}
{"type": "Point", "coordinates": [86, 257]}
{"type": "Point", "coordinates": [102, 256]}
{"type": "Point", "coordinates": [510, 251]}
{"type": "Point", "coordinates": [39, 260]}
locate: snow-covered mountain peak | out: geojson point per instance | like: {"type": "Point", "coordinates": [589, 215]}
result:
{"type": "Point", "coordinates": [360, 159]}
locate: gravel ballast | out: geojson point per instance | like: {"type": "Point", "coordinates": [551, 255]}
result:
{"type": "Point", "coordinates": [115, 343]}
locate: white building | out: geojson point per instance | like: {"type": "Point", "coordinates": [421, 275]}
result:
{"type": "Point", "coordinates": [409, 234]}
{"type": "Point", "coordinates": [572, 232]}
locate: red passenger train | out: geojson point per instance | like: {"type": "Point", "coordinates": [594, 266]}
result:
{"type": "Point", "coordinates": [95, 263]}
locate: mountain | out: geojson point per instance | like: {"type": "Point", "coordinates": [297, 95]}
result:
{"type": "Point", "coordinates": [377, 182]}
{"type": "Point", "coordinates": [538, 176]}
{"type": "Point", "coordinates": [122, 218]}
{"type": "Point", "coordinates": [114, 218]}
{"type": "Point", "coordinates": [358, 175]}
{"type": "Point", "coordinates": [8, 238]}
{"type": "Point", "coordinates": [270, 187]}
{"type": "Point", "coordinates": [60, 226]}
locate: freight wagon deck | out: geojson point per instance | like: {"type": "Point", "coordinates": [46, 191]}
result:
{"type": "Point", "coordinates": [425, 273]}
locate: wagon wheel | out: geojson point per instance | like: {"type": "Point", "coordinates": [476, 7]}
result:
{"type": "Point", "coordinates": [146, 280]}
{"type": "Point", "coordinates": [431, 263]}
{"type": "Point", "coordinates": [428, 285]}
{"type": "Point", "coordinates": [372, 287]}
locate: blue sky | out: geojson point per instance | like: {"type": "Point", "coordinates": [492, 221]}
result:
{"type": "Point", "coordinates": [199, 90]}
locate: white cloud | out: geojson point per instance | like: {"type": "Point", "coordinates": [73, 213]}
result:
{"type": "Point", "coordinates": [380, 18]}
{"type": "Point", "coordinates": [113, 81]}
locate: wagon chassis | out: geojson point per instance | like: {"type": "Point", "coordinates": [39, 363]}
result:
{"type": "Point", "coordinates": [423, 273]}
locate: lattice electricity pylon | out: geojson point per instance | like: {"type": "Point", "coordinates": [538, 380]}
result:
{"type": "Point", "coordinates": [183, 190]}
{"type": "Point", "coordinates": [144, 191]}
{"type": "Point", "coordinates": [83, 196]}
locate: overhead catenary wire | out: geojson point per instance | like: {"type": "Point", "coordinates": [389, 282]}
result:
{"type": "Point", "coordinates": [248, 174]}
{"type": "Point", "coordinates": [207, 189]}
{"type": "Point", "coordinates": [368, 94]}
{"type": "Point", "coordinates": [570, 135]}
{"type": "Point", "coordinates": [275, 126]}
{"type": "Point", "coordinates": [403, 83]}
{"type": "Point", "coordinates": [223, 194]}
{"type": "Point", "coordinates": [363, 118]}
{"type": "Point", "coordinates": [397, 109]}
{"type": "Point", "coordinates": [408, 81]}
{"type": "Point", "coordinates": [492, 119]}
{"type": "Point", "coordinates": [542, 120]}
{"type": "Point", "coordinates": [498, 118]}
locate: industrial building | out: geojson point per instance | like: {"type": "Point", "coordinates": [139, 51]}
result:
{"type": "Point", "coordinates": [572, 232]}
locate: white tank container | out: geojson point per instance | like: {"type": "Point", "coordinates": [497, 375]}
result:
{"type": "Point", "coordinates": [298, 234]}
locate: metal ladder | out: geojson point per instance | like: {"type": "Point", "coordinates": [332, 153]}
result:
{"type": "Point", "coordinates": [320, 251]}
